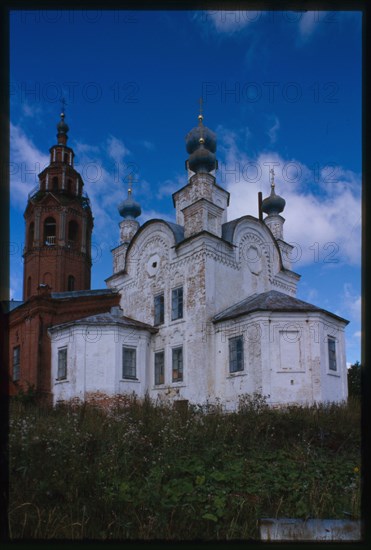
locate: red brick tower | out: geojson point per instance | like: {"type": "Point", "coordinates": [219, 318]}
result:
{"type": "Point", "coordinates": [59, 225]}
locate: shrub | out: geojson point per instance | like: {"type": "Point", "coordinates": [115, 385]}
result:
{"type": "Point", "coordinates": [144, 470]}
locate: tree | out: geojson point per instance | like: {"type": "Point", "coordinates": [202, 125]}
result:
{"type": "Point", "coordinates": [354, 380]}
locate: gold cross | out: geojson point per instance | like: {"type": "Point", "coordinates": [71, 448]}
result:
{"type": "Point", "coordinates": [130, 183]}
{"type": "Point", "coordinates": [272, 179]}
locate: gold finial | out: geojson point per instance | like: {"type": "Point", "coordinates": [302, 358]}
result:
{"type": "Point", "coordinates": [64, 103]}
{"type": "Point", "coordinates": [200, 119]}
{"type": "Point", "coordinates": [130, 184]}
{"type": "Point", "coordinates": [200, 116]}
{"type": "Point", "coordinates": [272, 178]}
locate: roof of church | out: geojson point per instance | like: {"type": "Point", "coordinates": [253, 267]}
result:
{"type": "Point", "coordinates": [177, 229]}
{"type": "Point", "coordinates": [113, 317]}
{"type": "Point", "coordinates": [82, 293]}
{"type": "Point", "coordinates": [9, 305]}
{"type": "Point", "coordinates": [270, 301]}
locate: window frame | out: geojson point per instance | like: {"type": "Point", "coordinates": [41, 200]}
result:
{"type": "Point", "coordinates": [50, 235]}
{"type": "Point", "coordinates": [62, 374]}
{"type": "Point", "coordinates": [125, 375]}
{"type": "Point", "coordinates": [239, 361]}
{"type": "Point", "coordinates": [332, 360]}
{"type": "Point", "coordinates": [16, 365]}
{"type": "Point", "coordinates": [159, 376]}
{"type": "Point", "coordinates": [179, 369]}
{"type": "Point", "coordinates": [177, 301]}
{"type": "Point", "coordinates": [159, 309]}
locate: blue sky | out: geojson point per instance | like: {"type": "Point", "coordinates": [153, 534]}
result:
{"type": "Point", "coordinates": [277, 87]}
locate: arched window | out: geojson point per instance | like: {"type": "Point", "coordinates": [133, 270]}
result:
{"type": "Point", "coordinates": [55, 183]}
{"type": "Point", "coordinates": [28, 287]}
{"type": "Point", "coordinates": [69, 186]}
{"type": "Point", "coordinates": [71, 282]}
{"type": "Point", "coordinates": [73, 233]}
{"type": "Point", "coordinates": [31, 232]}
{"type": "Point", "coordinates": [65, 157]}
{"type": "Point", "coordinates": [50, 231]}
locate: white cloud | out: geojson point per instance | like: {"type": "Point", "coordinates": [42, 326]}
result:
{"type": "Point", "coordinates": [26, 162]}
{"type": "Point", "coordinates": [273, 130]}
{"type": "Point", "coordinates": [352, 302]}
{"type": "Point", "coordinates": [149, 145]}
{"type": "Point", "coordinates": [30, 110]}
{"type": "Point", "coordinates": [323, 220]}
{"type": "Point", "coordinates": [116, 149]}
{"type": "Point", "coordinates": [307, 23]}
{"type": "Point", "coordinates": [225, 21]}
{"type": "Point", "coordinates": [169, 186]}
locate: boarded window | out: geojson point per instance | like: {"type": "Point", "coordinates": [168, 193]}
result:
{"type": "Point", "coordinates": [129, 363]}
{"type": "Point", "coordinates": [236, 354]}
{"type": "Point", "coordinates": [159, 368]}
{"type": "Point", "coordinates": [177, 364]}
{"type": "Point", "coordinates": [159, 309]}
{"type": "Point", "coordinates": [62, 364]}
{"type": "Point", "coordinates": [331, 343]}
{"type": "Point", "coordinates": [290, 358]}
{"type": "Point", "coordinates": [16, 363]}
{"type": "Point", "coordinates": [177, 303]}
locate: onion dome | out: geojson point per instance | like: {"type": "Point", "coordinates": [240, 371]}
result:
{"type": "Point", "coordinates": [62, 126]}
{"type": "Point", "coordinates": [129, 209]}
{"type": "Point", "coordinates": [274, 204]}
{"type": "Point", "coordinates": [201, 146]}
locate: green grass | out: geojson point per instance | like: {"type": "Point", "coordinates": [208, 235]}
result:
{"type": "Point", "coordinates": [147, 471]}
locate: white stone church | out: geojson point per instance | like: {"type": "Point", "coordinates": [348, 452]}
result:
{"type": "Point", "coordinates": [207, 310]}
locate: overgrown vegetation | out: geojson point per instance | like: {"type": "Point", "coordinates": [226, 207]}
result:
{"type": "Point", "coordinates": [138, 470]}
{"type": "Point", "coordinates": [354, 380]}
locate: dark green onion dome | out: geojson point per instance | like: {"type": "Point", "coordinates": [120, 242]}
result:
{"type": "Point", "coordinates": [274, 204]}
{"type": "Point", "coordinates": [201, 146]}
{"type": "Point", "coordinates": [129, 209]}
{"type": "Point", "coordinates": [194, 135]}
{"type": "Point", "coordinates": [62, 126]}
{"type": "Point", "coordinates": [202, 160]}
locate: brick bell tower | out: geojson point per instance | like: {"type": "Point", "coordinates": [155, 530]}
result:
{"type": "Point", "coordinates": [59, 225]}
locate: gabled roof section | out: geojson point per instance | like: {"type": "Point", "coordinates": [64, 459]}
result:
{"type": "Point", "coordinates": [177, 230]}
{"type": "Point", "coordinates": [114, 317]}
{"type": "Point", "coordinates": [82, 293]}
{"type": "Point", "coordinates": [229, 227]}
{"type": "Point", "coordinates": [270, 301]}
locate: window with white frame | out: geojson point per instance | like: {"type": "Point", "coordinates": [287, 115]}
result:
{"type": "Point", "coordinates": [236, 354]}
{"type": "Point", "coordinates": [159, 309]}
{"type": "Point", "coordinates": [159, 368]}
{"type": "Point", "coordinates": [129, 363]}
{"type": "Point", "coordinates": [177, 303]}
{"type": "Point", "coordinates": [16, 363]}
{"type": "Point", "coordinates": [177, 364]}
{"type": "Point", "coordinates": [331, 344]}
{"type": "Point", "coordinates": [62, 364]}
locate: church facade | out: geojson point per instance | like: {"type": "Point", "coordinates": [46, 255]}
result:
{"type": "Point", "coordinates": [206, 308]}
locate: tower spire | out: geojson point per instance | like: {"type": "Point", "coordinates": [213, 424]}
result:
{"type": "Point", "coordinates": [62, 126]}
{"type": "Point", "coordinates": [201, 146]}
{"type": "Point", "coordinates": [129, 209]}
